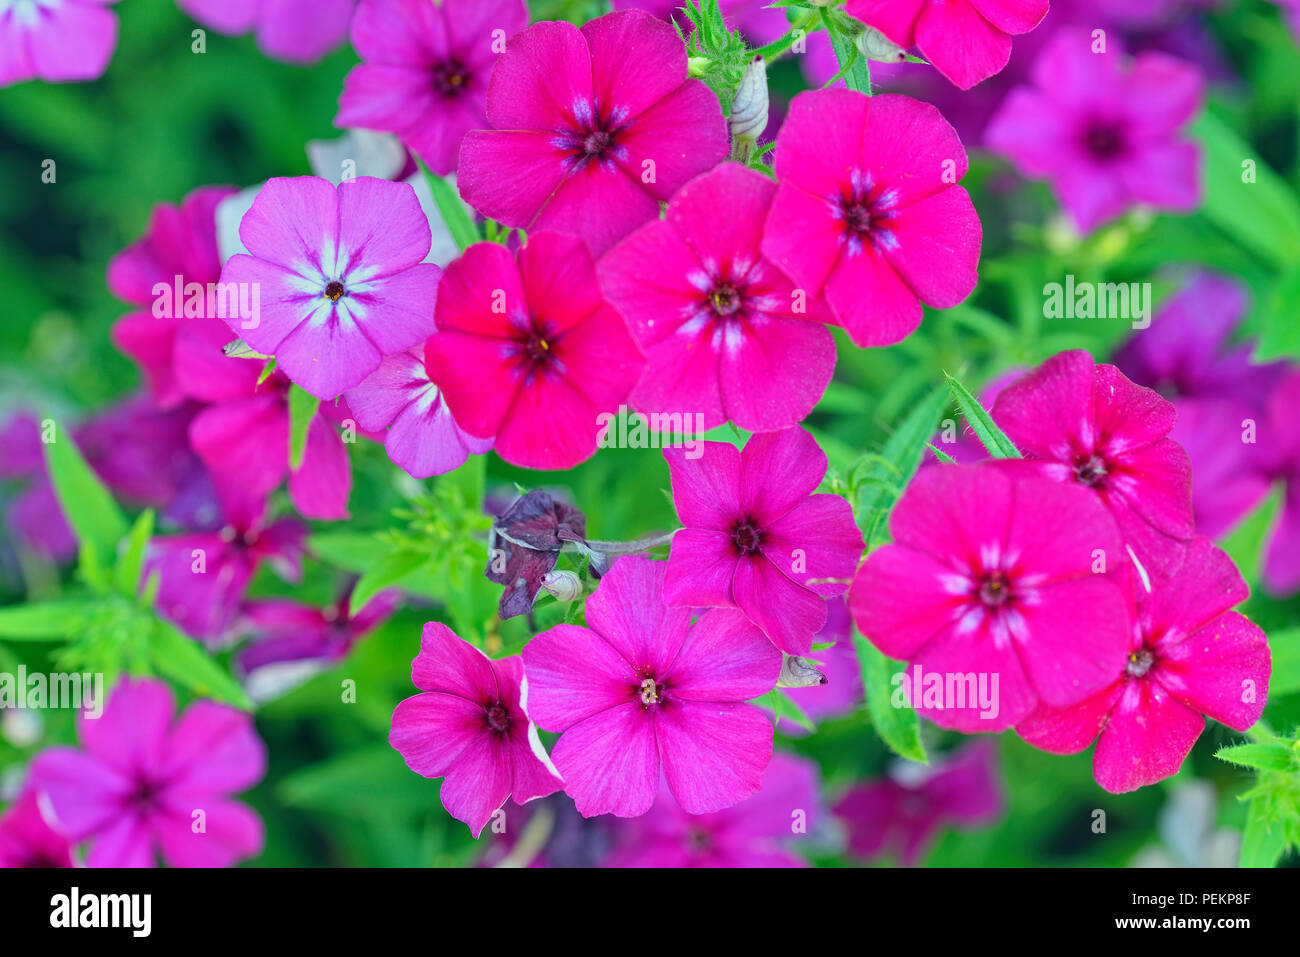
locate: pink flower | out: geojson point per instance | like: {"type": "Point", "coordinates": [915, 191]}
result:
{"type": "Point", "coordinates": [243, 439]}
{"type": "Point", "coordinates": [1106, 137]}
{"type": "Point", "coordinates": [55, 40]}
{"type": "Point", "coordinates": [640, 692]}
{"type": "Point", "coordinates": [901, 814]}
{"type": "Point", "coordinates": [1085, 423]}
{"type": "Point", "coordinates": [1282, 560]}
{"type": "Point", "coordinates": [1189, 655]}
{"type": "Point", "coordinates": [470, 727]}
{"type": "Point", "coordinates": [142, 782]}
{"type": "Point", "coordinates": [966, 40]}
{"type": "Point", "coordinates": [593, 128]}
{"type": "Point", "coordinates": [30, 835]}
{"type": "Point", "coordinates": [994, 575]}
{"type": "Point", "coordinates": [422, 437]}
{"type": "Point", "coordinates": [424, 70]}
{"type": "Point", "coordinates": [300, 31]}
{"type": "Point", "coordinates": [725, 332]}
{"type": "Point", "coordinates": [180, 241]}
{"type": "Point", "coordinates": [758, 832]}
{"type": "Point", "coordinates": [868, 216]}
{"type": "Point", "coordinates": [340, 277]}
{"type": "Point", "coordinates": [529, 351]}
{"type": "Point", "coordinates": [289, 631]}
{"type": "Point", "coordinates": [203, 575]}
{"type": "Point", "coordinates": [839, 664]}
{"type": "Point", "coordinates": [757, 538]}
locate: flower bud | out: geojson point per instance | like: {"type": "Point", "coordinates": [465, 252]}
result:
{"type": "Point", "coordinates": [564, 585]}
{"type": "Point", "coordinates": [874, 45]}
{"type": "Point", "coordinates": [799, 673]}
{"type": "Point", "coordinates": [749, 108]}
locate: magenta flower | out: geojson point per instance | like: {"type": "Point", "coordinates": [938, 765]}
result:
{"type": "Point", "coordinates": [180, 241]}
{"type": "Point", "coordinates": [996, 576]}
{"type": "Point", "coordinates": [1189, 655]}
{"type": "Point", "coordinates": [725, 332]}
{"type": "Point", "coordinates": [470, 727]}
{"type": "Point", "coordinates": [204, 575]}
{"type": "Point", "coordinates": [966, 40]}
{"type": "Point", "coordinates": [529, 351]}
{"type": "Point", "coordinates": [55, 40]}
{"type": "Point", "coordinates": [243, 439]}
{"type": "Point", "coordinates": [839, 664]}
{"type": "Point", "coordinates": [341, 278]}
{"type": "Point", "coordinates": [758, 832]}
{"type": "Point", "coordinates": [868, 216]}
{"type": "Point", "coordinates": [593, 128]}
{"type": "Point", "coordinates": [299, 31]}
{"type": "Point", "coordinates": [424, 70]}
{"type": "Point", "coordinates": [1084, 423]}
{"type": "Point", "coordinates": [145, 784]}
{"type": "Point", "coordinates": [1106, 136]}
{"type": "Point", "coordinates": [290, 632]}
{"type": "Point", "coordinates": [902, 814]}
{"type": "Point", "coordinates": [640, 692]}
{"type": "Point", "coordinates": [1282, 560]}
{"type": "Point", "coordinates": [757, 538]}
{"type": "Point", "coordinates": [30, 835]}
{"type": "Point", "coordinates": [422, 437]}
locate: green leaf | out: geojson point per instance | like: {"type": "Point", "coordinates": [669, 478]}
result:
{"type": "Point", "coordinates": [185, 661]}
{"type": "Point", "coordinates": [368, 784]}
{"type": "Point", "coordinates": [350, 551]}
{"type": "Point", "coordinates": [454, 212]}
{"type": "Point", "coordinates": [1264, 215]}
{"type": "Point", "coordinates": [89, 508]}
{"type": "Point", "coordinates": [887, 474]}
{"type": "Point", "coordinates": [302, 409]}
{"type": "Point", "coordinates": [982, 424]}
{"type": "Point", "coordinates": [48, 621]}
{"type": "Point", "coordinates": [131, 564]}
{"type": "Point", "coordinates": [854, 67]}
{"type": "Point", "coordinates": [1285, 649]}
{"type": "Point", "coordinates": [1280, 338]}
{"type": "Point", "coordinates": [790, 709]}
{"type": "Point", "coordinates": [388, 571]}
{"type": "Point", "coordinates": [1265, 757]}
{"type": "Point", "coordinates": [1264, 840]}
{"type": "Point", "coordinates": [900, 728]}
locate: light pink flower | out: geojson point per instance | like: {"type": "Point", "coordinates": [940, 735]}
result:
{"type": "Point", "coordinates": [757, 538]}
{"type": "Point", "coordinates": [640, 692]}
{"type": "Point", "coordinates": [592, 128]}
{"type": "Point", "coordinates": [529, 351]}
{"type": "Point", "coordinates": [996, 574]}
{"type": "Point", "coordinates": [30, 835]}
{"type": "Point", "coordinates": [470, 727]}
{"type": "Point", "coordinates": [142, 778]}
{"type": "Point", "coordinates": [300, 31]}
{"type": "Point", "coordinates": [422, 437]}
{"type": "Point", "coordinates": [341, 278]}
{"type": "Point", "coordinates": [725, 332]}
{"type": "Point", "coordinates": [1189, 655]}
{"type": "Point", "coordinates": [424, 70]}
{"type": "Point", "coordinates": [868, 216]}
{"type": "Point", "coordinates": [55, 40]}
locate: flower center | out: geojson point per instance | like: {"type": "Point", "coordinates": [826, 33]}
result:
{"type": "Point", "coordinates": [866, 210]}
{"type": "Point", "coordinates": [334, 291]}
{"type": "Point", "coordinates": [146, 795]}
{"type": "Point", "coordinates": [995, 590]}
{"type": "Point", "coordinates": [498, 719]}
{"type": "Point", "coordinates": [649, 692]}
{"type": "Point", "coordinates": [1104, 140]}
{"type": "Point", "coordinates": [746, 537]}
{"type": "Point", "coordinates": [537, 348]}
{"type": "Point", "coordinates": [1090, 471]}
{"type": "Point", "coordinates": [1139, 663]}
{"type": "Point", "coordinates": [450, 78]}
{"type": "Point", "coordinates": [596, 143]}
{"type": "Point", "coordinates": [725, 299]}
